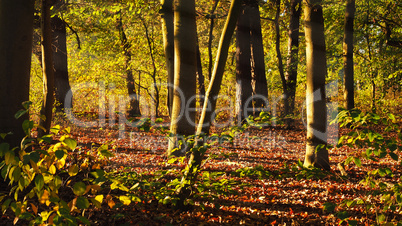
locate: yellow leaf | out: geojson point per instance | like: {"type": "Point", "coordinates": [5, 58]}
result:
{"type": "Point", "coordinates": [60, 164]}
{"type": "Point", "coordinates": [45, 197]}
{"type": "Point", "coordinates": [52, 169]}
{"type": "Point", "coordinates": [73, 170]}
{"type": "Point", "coordinates": [125, 200]}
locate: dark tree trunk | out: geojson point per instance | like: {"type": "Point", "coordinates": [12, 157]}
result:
{"type": "Point", "coordinates": [348, 55]}
{"type": "Point", "coordinates": [16, 29]}
{"type": "Point", "coordinates": [244, 89]}
{"type": "Point", "coordinates": [61, 82]}
{"type": "Point", "coordinates": [259, 81]}
{"type": "Point", "coordinates": [48, 70]}
{"type": "Point", "coordinates": [134, 109]}
{"type": "Point", "coordinates": [292, 62]}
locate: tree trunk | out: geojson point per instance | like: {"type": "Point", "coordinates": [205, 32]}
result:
{"type": "Point", "coordinates": [259, 81]}
{"type": "Point", "coordinates": [61, 82]}
{"type": "Point", "coordinates": [316, 151]}
{"type": "Point", "coordinates": [48, 70]}
{"type": "Point", "coordinates": [244, 91]}
{"type": "Point", "coordinates": [348, 55]}
{"type": "Point", "coordinates": [211, 37]}
{"type": "Point", "coordinates": [134, 109]}
{"type": "Point", "coordinates": [207, 116]}
{"type": "Point", "coordinates": [292, 61]}
{"type": "Point", "coordinates": [168, 42]}
{"type": "Point", "coordinates": [16, 29]}
{"type": "Point", "coordinates": [196, 156]}
{"type": "Point", "coordinates": [185, 42]}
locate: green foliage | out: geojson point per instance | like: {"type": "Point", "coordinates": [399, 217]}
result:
{"type": "Point", "coordinates": [378, 138]}
{"type": "Point", "coordinates": [42, 171]}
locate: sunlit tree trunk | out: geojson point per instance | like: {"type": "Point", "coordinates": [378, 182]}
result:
{"type": "Point", "coordinates": [47, 68]}
{"type": "Point", "coordinates": [244, 89]}
{"type": "Point", "coordinates": [194, 162]}
{"type": "Point", "coordinates": [292, 61]}
{"type": "Point", "coordinates": [185, 69]}
{"type": "Point", "coordinates": [348, 55]}
{"type": "Point", "coordinates": [259, 81]}
{"type": "Point", "coordinates": [134, 109]}
{"type": "Point", "coordinates": [316, 151]}
{"type": "Point", "coordinates": [16, 29]}
{"type": "Point", "coordinates": [208, 111]}
{"type": "Point", "coordinates": [168, 42]}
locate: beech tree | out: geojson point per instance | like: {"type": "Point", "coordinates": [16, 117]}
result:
{"type": "Point", "coordinates": [348, 77]}
{"type": "Point", "coordinates": [316, 151]}
{"type": "Point", "coordinates": [250, 67]}
{"type": "Point", "coordinates": [16, 29]}
{"type": "Point", "coordinates": [47, 69]}
{"type": "Point", "coordinates": [185, 69]}
{"type": "Point", "coordinates": [290, 82]}
{"type": "Point", "coordinates": [168, 42]}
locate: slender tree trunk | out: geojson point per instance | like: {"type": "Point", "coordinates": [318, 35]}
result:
{"type": "Point", "coordinates": [196, 156]}
{"type": "Point", "coordinates": [244, 91]}
{"type": "Point", "coordinates": [292, 61]}
{"type": "Point", "coordinates": [259, 81]}
{"type": "Point", "coordinates": [316, 151]}
{"type": "Point", "coordinates": [16, 29]}
{"type": "Point", "coordinates": [211, 37]}
{"type": "Point", "coordinates": [348, 55]}
{"type": "Point", "coordinates": [278, 44]}
{"type": "Point", "coordinates": [134, 109]}
{"type": "Point", "coordinates": [168, 42]}
{"type": "Point", "coordinates": [207, 116]}
{"type": "Point", "coordinates": [200, 75]}
{"type": "Point", "coordinates": [48, 70]}
{"type": "Point", "coordinates": [185, 42]}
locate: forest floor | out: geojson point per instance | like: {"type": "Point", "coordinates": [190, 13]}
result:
{"type": "Point", "coordinates": [264, 184]}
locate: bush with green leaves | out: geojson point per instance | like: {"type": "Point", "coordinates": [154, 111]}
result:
{"type": "Point", "coordinates": [374, 138]}
{"type": "Point", "coordinates": [52, 180]}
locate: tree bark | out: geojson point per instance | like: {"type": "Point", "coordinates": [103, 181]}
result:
{"type": "Point", "coordinates": [292, 62]}
{"type": "Point", "coordinates": [348, 78]}
{"type": "Point", "coordinates": [316, 151]}
{"type": "Point", "coordinates": [48, 70]}
{"type": "Point", "coordinates": [244, 91]}
{"type": "Point", "coordinates": [185, 69]}
{"type": "Point", "coordinates": [61, 81]}
{"type": "Point", "coordinates": [16, 29]}
{"type": "Point", "coordinates": [259, 80]}
{"type": "Point", "coordinates": [208, 111]}
{"type": "Point", "coordinates": [168, 42]}
{"type": "Point", "coordinates": [134, 109]}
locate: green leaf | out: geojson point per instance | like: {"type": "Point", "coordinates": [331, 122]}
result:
{"type": "Point", "coordinates": [34, 156]}
{"type": "Point", "coordinates": [59, 154]}
{"type": "Point", "coordinates": [393, 156]}
{"type": "Point", "coordinates": [39, 182]}
{"type": "Point", "coordinates": [381, 218]}
{"type": "Point", "coordinates": [79, 188]}
{"type": "Point", "coordinates": [329, 206]}
{"type": "Point", "coordinates": [71, 143]}
{"type": "Point", "coordinates": [84, 220]}
{"type": "Point", "coordinates": [358, 162]}
{"type": "Point", "coordinates": [82, 203]}
{"type": "Point", "coordinates": [20, 113]}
